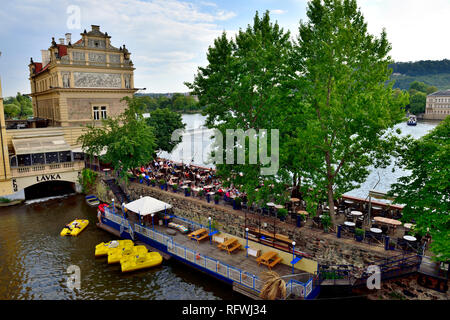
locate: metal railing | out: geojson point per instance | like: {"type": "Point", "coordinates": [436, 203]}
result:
{"type": "Point", "coordinates": [251, 281]}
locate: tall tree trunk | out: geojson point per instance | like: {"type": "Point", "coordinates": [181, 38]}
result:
{"type": "Point", "coordinates": [330, 195]}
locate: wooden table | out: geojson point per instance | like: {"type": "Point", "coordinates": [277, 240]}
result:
{"type": "Point", "coordinates": [230, 245]}
{"type": "Point", "coordinates": [199, 234]}
{"type": "Point", "coordinates": [295, 200]}
{"type": "Point", "coordinates": [303, 212]}
{"type": "Point", "coordinates": [269, 259]}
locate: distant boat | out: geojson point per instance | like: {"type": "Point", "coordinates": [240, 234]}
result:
{"type": "Point", "coordinates": [92, 200]}
{"type": "Point", "coordinates": [412, 121]}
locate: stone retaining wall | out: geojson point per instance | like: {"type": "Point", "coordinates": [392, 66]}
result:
{"type": "Point", "coordinates": [325, 248]}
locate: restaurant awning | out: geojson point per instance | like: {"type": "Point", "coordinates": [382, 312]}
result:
{"type": "Point", "coordinates": [40, 144]}
{"type": "Point", "coordinates": [147, 205]}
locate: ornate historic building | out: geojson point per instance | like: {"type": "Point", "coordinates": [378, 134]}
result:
{"type": "Point", "coordinates": [75, 84]}
{"type": "Point", "coordinates": [81, 82]}
{"type": "Point", "coordinates": [438, 105]}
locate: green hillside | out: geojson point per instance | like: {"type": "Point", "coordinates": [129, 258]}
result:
{"type": "Point", "coordinates": [431, 72]}
{"type": "Point", "coordinates": [441, 81]}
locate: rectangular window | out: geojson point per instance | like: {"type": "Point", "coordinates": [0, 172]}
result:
{"type": "Point", "coordinates": [103, 112]}
{"type": "Point", "coordinates": [96, 113]}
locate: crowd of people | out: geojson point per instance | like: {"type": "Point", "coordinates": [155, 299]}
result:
{"type": "Point", "coordinates": [196, 178]}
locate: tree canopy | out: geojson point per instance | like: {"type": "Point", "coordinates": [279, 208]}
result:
{"type": "Point", "coordinates": [128, 140]}
{"type": "Point", "coordinates": [19, 107]}
{"type": "Point", "coordinates": [164, 123]}
{"type": "Point", "coordinates": [342, 94]}
{"type": "Point", "coordinates": [177, 102]}
{"type": "Point", "coordinates": [241, 90]}
{"type": "Point", "coordinates": [426, 191]}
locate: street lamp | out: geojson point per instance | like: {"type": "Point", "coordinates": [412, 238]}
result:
{"type": "Point", "coordinates": [210, 231]}
{"type": "Point", "coordinates": [112, 200]}
{"type": "Point", "coordinates": [153, 226]}
{"type": "Point", "coordinates": [293, 255]}
{"type": "Point", "coordinates": [246, 236]}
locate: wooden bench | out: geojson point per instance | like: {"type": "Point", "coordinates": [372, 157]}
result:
{"type": "Point", "coordinates": [199, 235]}
{"type": "Point", "coordinates": [236, 246]}
{"type": "Point", "coordinates": [274, 263]}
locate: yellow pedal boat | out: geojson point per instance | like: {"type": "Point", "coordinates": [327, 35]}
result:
{"type": "Point", "coordinates": [102, 248]}
{"type": "Point", "coordinates": [140, 261]}
{"type": "Point", "coordinates": [75, 227]}
{"type": "Point", "coordinates": [114, 255]}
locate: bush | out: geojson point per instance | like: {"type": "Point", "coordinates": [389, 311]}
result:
{"type": "Point", "coordinates": [87, 179]}
{"type": "Point", "coordinates": [162, 181]}
{"type": "Point", "coordinates": [359, 232]}
{"type": "Point", "coordinates": [282, 212]}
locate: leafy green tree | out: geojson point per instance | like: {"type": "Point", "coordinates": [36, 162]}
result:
{"type": "Point", "coordinates": [240, 88]}
{"type": "Point", "coordinates": [431, 89]}
{"type": "Point", "coordinates": [164, 123]}
{"type": "Point", "coordinates": [128, 140]}
{"type": "Point", "coordinates": [426, 191]}
{"type": "Point", "coordinates": [19, 106]}
{"type": "Point", "coordinates": [419, 86]}
{"type": "Point", "coordinates": [418, 102]}
{"type": "Point", "coordinates": [11, 110]}
{"type": "Point", "coordinates": [342, 95]}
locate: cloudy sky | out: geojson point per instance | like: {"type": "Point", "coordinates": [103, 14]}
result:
{"type": "Point", "coordinates": [168, 39]}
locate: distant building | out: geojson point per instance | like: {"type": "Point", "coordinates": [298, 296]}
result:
{"type": "Point", "coordinates": [438, 105]}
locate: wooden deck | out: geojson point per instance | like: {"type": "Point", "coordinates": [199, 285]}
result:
{"type": "Point", "coordinates": [236, 259]}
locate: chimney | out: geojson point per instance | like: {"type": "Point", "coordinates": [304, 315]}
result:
{"type": "Point", "coordinates": [45, 57]}
{"type": "Point", "coordinates": [95, 28]}
{"type": "Point", "coordinates": [61, 40]}
{"type": "Point", "coordinates": [68, 38]}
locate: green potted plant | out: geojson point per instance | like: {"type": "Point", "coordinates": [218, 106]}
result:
{"type": "Point", "coordinates": [326, 222]}
{"type": "Point", "coordinates": [175, 187]}
{"type": "Point", "coordinates": [187, 192]}
{"type": "Point", "coordinates": [216, 198]}
{"type": "Point", "coordinates": [359, 234]}
{"type": "Point", "coordinates": [200, 193]}
{"type": "Point", "coordinates": [153, 182]}
{"type": "Point", "coordinates": [282, 213]}
{"type": "Point", "coordinates": [162, 182]}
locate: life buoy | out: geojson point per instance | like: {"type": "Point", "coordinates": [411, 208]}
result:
{"type": "Point", "coordinates": [197, 256]}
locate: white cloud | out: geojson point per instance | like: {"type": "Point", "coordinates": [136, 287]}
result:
{"type": "Point", "coordinates": [277, 11]}
{"type": "Point", "coordinates": [417, 29]}
{"type": "Point", "coordinates": [167, 37]}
